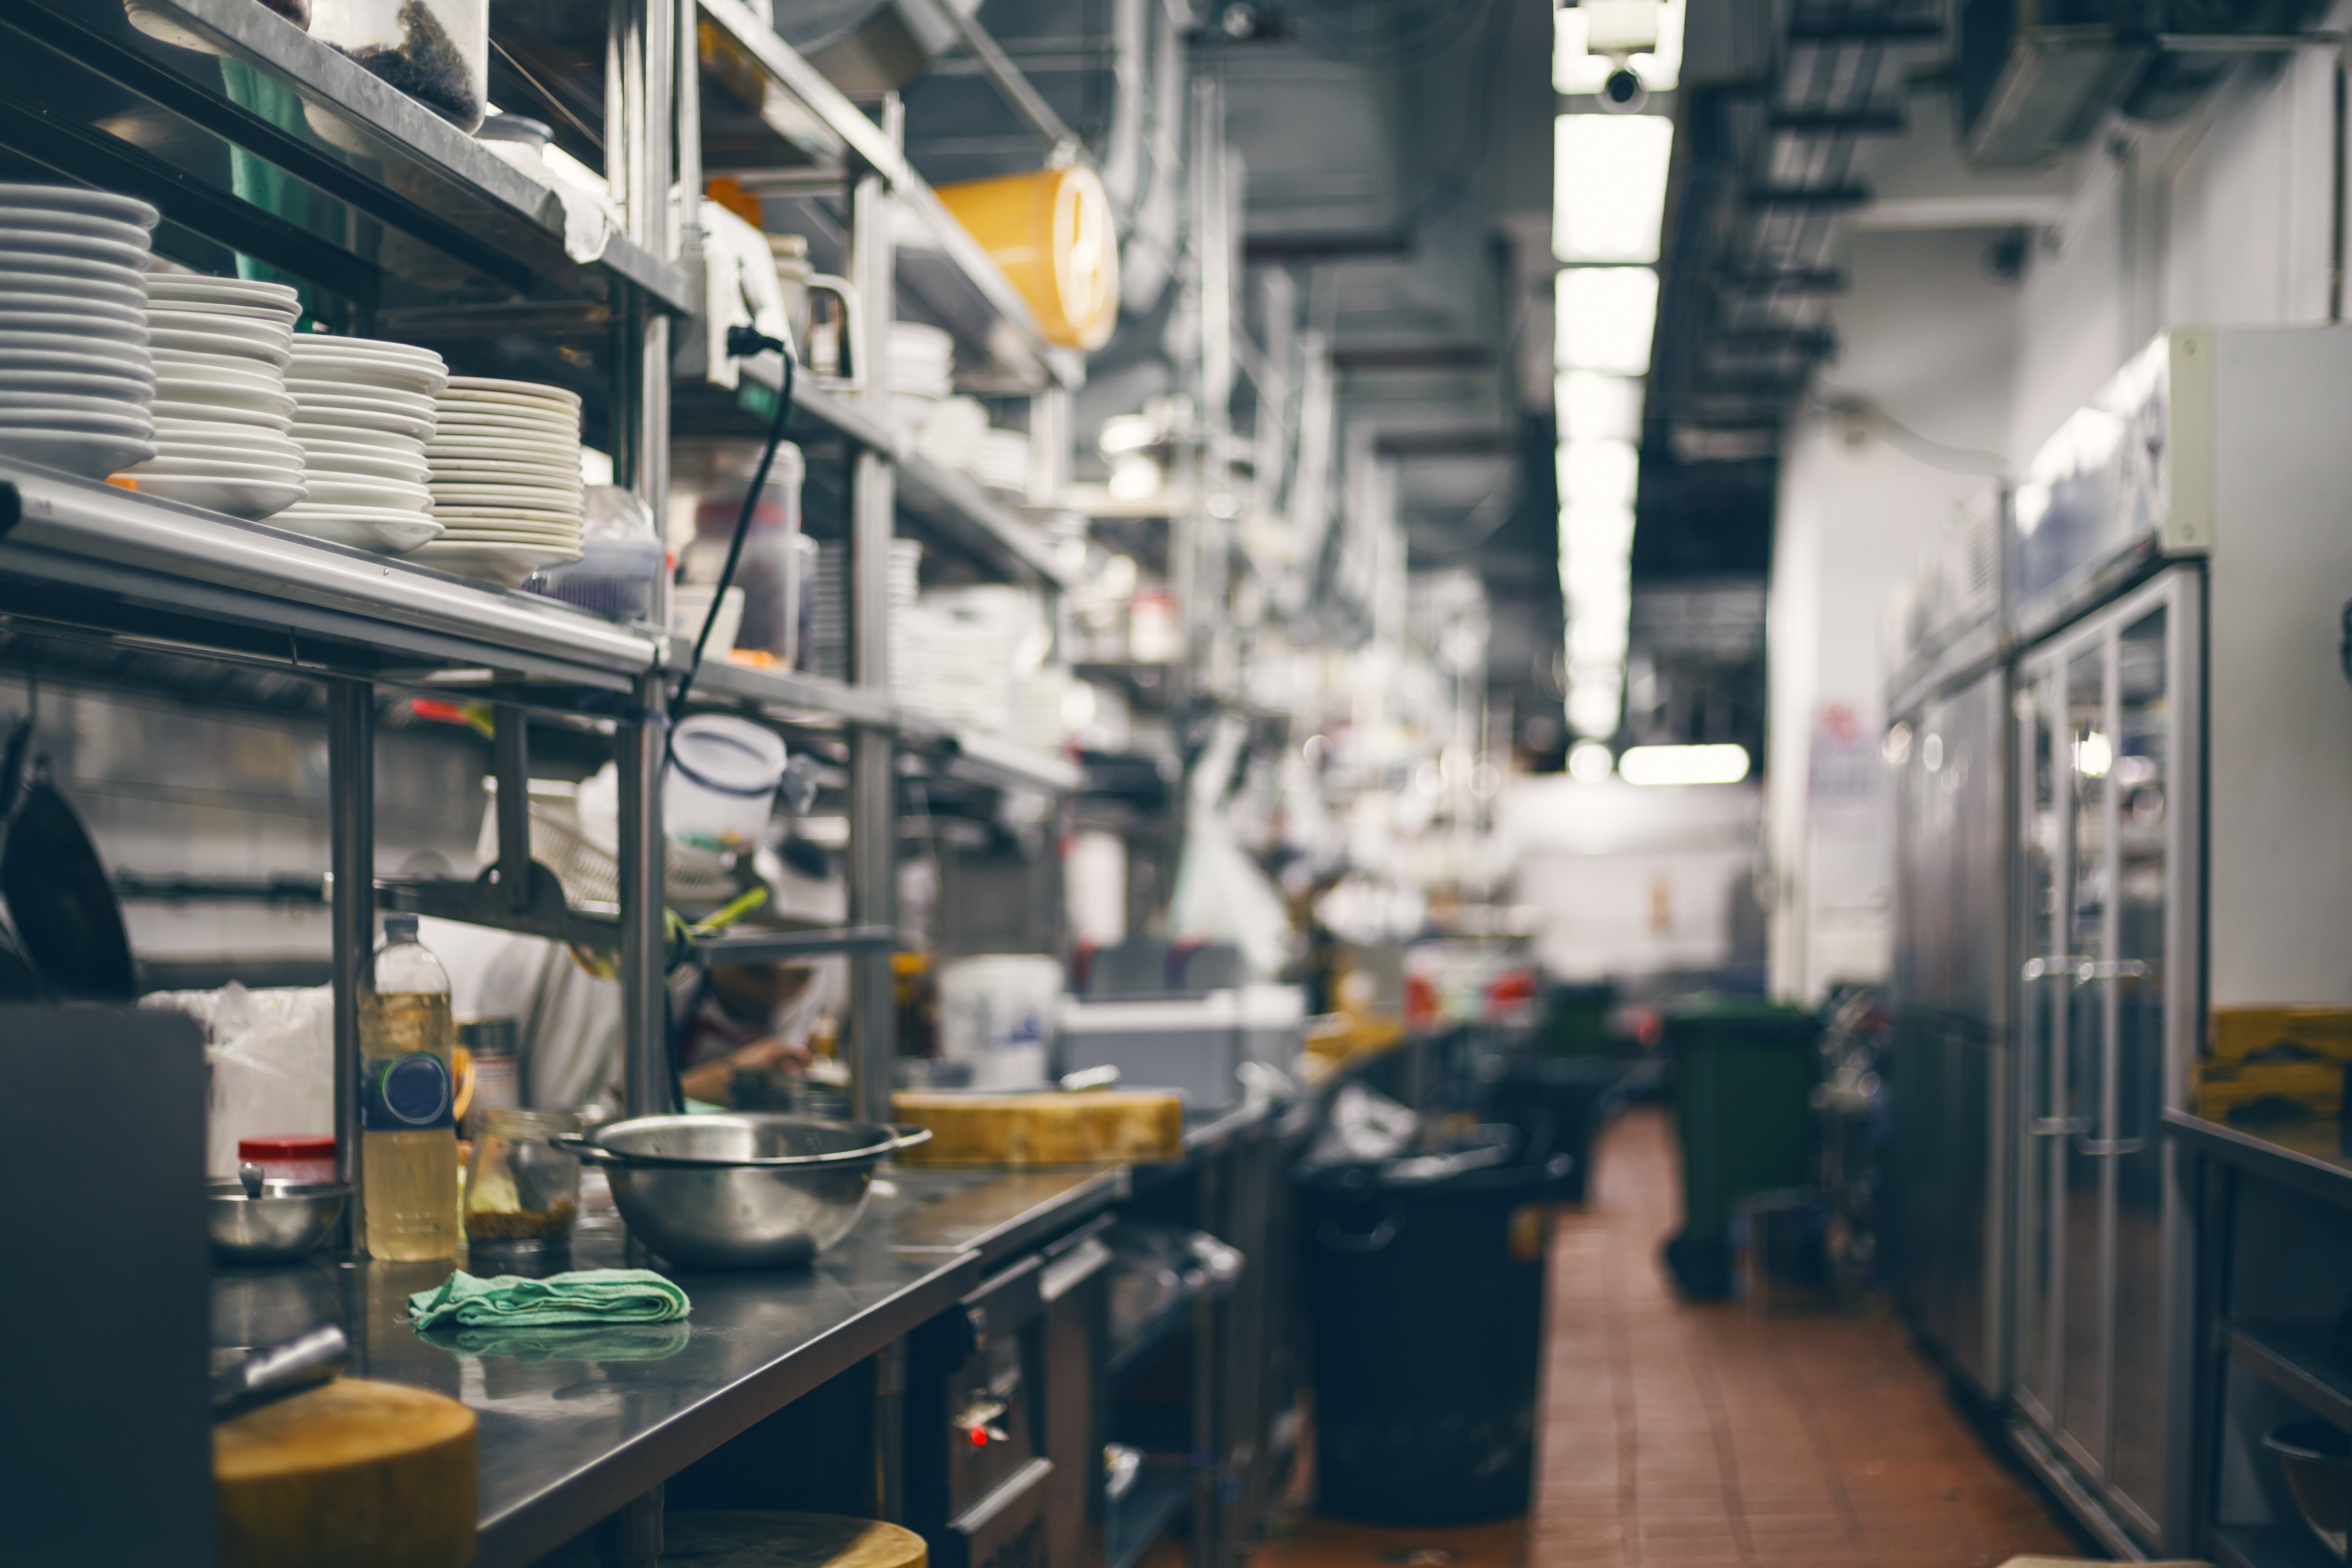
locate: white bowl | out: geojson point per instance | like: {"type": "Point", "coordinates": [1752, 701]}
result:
{"type": "Point", "coordinates": [254, 499]}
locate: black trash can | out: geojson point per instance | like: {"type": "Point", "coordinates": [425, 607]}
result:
{"type": "Point", "coordinates": [1557, 1104]}
{"type": "Point", "coordinates": [1424, 1287]}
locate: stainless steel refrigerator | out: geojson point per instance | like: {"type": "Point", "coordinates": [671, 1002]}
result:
{"type": "Point", "coordinates": [2179, 743]}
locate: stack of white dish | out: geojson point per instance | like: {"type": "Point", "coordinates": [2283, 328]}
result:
{"type": "Point", "coordinates": [1000, 461]}
{"type": "Point", "coordinates": [76, 377]}
{"type": "Point", "coordinates": [504, 479]}
{"type": "Point", "coordinates": [922, 371]}
{"type": "Point", "coordinates": [222, 411]}
{"type": "Point", "coordinates": [215, 408]}
{"type": "Point", "coordinates": [364, 410]}
{"type": "Point", "coordinates": [952, 435]}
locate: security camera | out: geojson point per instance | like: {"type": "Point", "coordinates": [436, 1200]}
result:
{"type": "Point", "coordinates": [1624, 93]}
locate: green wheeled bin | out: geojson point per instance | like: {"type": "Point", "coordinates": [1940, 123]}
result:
{"type": "Point", "coordinates": [1744, 1076]}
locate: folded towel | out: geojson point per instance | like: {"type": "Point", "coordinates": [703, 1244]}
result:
{"type": "Point", "coordinates": [585, 1296]}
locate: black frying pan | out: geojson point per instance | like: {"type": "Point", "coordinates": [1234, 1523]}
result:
{"type": "Point", "coordinates": [67, 923]}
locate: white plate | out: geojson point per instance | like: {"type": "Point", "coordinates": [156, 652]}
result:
{"type": "Point", "coordinates": [44, 219]}
{"type": "Point", "coordinates": [370, 348]}
{"type": "Point", "coordinates": [517, 533]}
{"type": "Point", "coordinates": [358, 489]}
{"type": "Point", "coordinates": [25, 291]}
{"type": "Point", "coordinates": [496, 519]}
{"type": "Point", "coordinates": [238, 497]}
{"type": "Point", "coordinates": [502, 475]}
{"type": "Point", "coordinates": [222, 468]}
{"type": "Point", "coordinates": [324, 422]}
{"type": "Point", "coordinates": [15, 258]}
{"type": "Point", "coordinates": [25, 382]}
{"type": "Point", "coordinates": [75, 327]}
{"type": "Point", "coordinates": [64, 286]}
{"type": "Point", "coordinates": [129, 423]}
{"type": "Point", "coordinates": [88, 249]}
{"type": "Point", "coordinates": [466, 493]}
{"type": "Point", "coordinates": [509, 564]}
{"type": "Point", "coordinates": [384, 529]}
{"type": "Point", "coordinates": [553, 438]}
{"type": "Point", "coordinates": [420, 380]}
{"type": "Point", "coordinates": [78, 199]}
{"type": "Point", "coordinates": [532, 391]}
{"type": "Point", "coordinates": [213, 310]}
{"type": "Point", "coordinates": [229, 290]}
{"type": "Point", "coordinates": [319, 465]}
{"type": "Point", "coordinates": [215, 334]}
{"type": "Point", "coordinates": [225, 441]}
{"type": "Point", "coordinates": [365, 444]}
{"type": "Point", "coordinates": [353, 394]}
{"type": "Point", "coordinates": [565, 420]}
{"type": "Point", "coordinates": [63, 402]}
{"type": "Point", "coordinates": [91, 455]}
{"type": "Point", "coordinates": [16, 347]}
{"type": "Point", "coordinates": [254, 388]}
{"type": "Point", "coordinates": [506, 449]}
{"type": "Point", "coordinates": [235, 404]}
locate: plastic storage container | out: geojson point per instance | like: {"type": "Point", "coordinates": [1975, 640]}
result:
{"type": "Point", "coordinates": [296, 1157]}
{"type": "Point", "coordinates": [435, 51]}
{"type": "Point", "coordinates": [721, 785]}
{"type": "Point", "coordinates": [770, 570]}
{"type": "Point", "coordinates": [996, 1013]}
{"type": "Point", "coordinates": [1744, 1076]}
{"type": "Point", "coordinates": [408, 1132]}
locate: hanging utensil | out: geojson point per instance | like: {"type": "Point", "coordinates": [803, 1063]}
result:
{"type": "Point", "coordinates": [60, 900]}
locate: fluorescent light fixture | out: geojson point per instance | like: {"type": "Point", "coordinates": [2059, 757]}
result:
{"type": "Point", "coordinates": [1683, 764]}
{"type": "Point", "coordinates": [1593, 707]}
{"type": "Point", "coordinates": [1595, 637]}
{"type": "Point", "coordinates": [1608, 185]}
{"type": "Point", "coordinates": [1589, 761]}
{"type": "Point", "coordinates": [1578, 31]}
{"type": "Point", "coordinates": [1593, 406]}
{"type": "Point", "coordinates": [1599, 473]}
{"type": "Point", "coordinates": [1605, 318]}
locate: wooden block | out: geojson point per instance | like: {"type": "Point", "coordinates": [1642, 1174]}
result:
{"type": "Point", "coordinates": [1046, 1129]}
{"type": "Point", "coordinates": [356, 1474]}
{"type": "Point", "coordinates": [760, 1540]}
{"type": "Point", "coordinates": [2280, 1034]}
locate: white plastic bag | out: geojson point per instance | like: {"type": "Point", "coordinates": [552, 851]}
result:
{"type": "Point", "coordinates": [272, 1055]}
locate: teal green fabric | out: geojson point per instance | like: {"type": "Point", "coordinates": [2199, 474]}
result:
{"type": "Point", "coordinates": [585, 1295]}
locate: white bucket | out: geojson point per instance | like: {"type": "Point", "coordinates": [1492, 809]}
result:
{"type": "Point", "coordinates": [720, 783]}
{"type": "Point", "coordinates": [996, 1012]}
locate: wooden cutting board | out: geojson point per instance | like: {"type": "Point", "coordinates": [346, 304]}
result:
{"type": "Point", "coordinates": [353, 1474]}
{"type": "Point", "coordinates": [719, 1540]}
{"type": "Point", "coordinates": [1046, 1129]}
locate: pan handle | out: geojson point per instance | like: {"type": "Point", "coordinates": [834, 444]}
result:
{"type": "Point", "coordinates": [577, 1145]}
{"type": "Point", "coordinates": [908, 1137]}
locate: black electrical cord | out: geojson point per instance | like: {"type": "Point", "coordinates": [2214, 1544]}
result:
{"type": "Point", "coordinates": [742, 342]}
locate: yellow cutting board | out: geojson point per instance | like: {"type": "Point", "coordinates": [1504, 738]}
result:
{"type": "Point", "coordinates": [353, 1474]}
{"type": "Point", "coordinates": [1047, 1128]}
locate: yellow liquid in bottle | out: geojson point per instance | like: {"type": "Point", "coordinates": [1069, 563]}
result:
{"type": "Point", "coordinates": [408, 1176]}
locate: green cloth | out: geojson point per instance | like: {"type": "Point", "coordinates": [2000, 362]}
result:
{"type": "Point", "coordinates": [585, 1296]}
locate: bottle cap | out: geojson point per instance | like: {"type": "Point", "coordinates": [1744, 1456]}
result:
{"type": "Point", "coordinates": [400, 928]}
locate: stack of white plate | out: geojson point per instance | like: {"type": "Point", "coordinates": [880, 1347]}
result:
{"type": "Point", "coordinates": [951, 436]}
{"type": "Point", "coordinates": [363, 411]}
{"type": "Point", "coordinates": [220, 351]}
{"type": "Point", "coordinates": [505, 480]}
{"type": "Point", "coordinates": [1000, 461]}
{"type": "Point", "coordinates": [921, 371]}
{"type": "Point", "coordinates": [213, 410]}
{"type": "Point", "coordinates": [76, 377]}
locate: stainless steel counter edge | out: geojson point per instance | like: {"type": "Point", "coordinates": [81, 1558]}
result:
{"type": "Point", "coordinates": [530, 1529]}
{"type": "Point", "coordinates": [1032, 1227]}
{"type": "Point", "coordinates": [114, 526]}
{"type": "Point", "coordinates": [2258, 1156]}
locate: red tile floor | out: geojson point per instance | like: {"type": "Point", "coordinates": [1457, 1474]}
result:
{"type": "Point", "coordinates": [1677, 1436]}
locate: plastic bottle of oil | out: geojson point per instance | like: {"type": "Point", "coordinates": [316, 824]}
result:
{"type": "Point", "coordinates": [408, 1139]}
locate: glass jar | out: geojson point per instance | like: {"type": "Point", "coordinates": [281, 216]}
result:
{"type": "Point", "coordinates": [523, 1194]}
{"type": "Point", "coordinates": [435, 51]}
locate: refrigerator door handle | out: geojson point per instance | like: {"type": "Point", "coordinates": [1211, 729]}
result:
{"type": "Point", "coordinates": [2107, 1148]}
{"type": "Point", "coordinates": [2057, 1126]}
{"type": "Point", "coordinates": [2057, 964]}
{"type": "Point", "coordinates": [2113, 969]}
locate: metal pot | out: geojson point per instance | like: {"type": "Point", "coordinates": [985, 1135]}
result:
{"type": "Point", "coordinates": [270, 1221]}
{"type": "Point", "coordinates": [741, 1191]}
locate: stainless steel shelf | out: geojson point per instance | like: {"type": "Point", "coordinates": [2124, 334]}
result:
{"type": "Point", "coordinates": [785, 696]}
{"type": "Point", "coordinates": [955, 506]}
{"type": "Point", "coordinates": [964, 284]}
{"type": "Point", "coordinates": [773, 946]}
{"type": "Point", "coordinates": [350, 137]}
{"type": "Point", "coordinates": [986, 761]}
{"type": "Point", "coordinates": [2299, 1361]}
{"type": "Point", "coordinates": [85, 553]}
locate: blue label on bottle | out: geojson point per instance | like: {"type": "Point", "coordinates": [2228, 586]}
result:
{"type": "Point", "coordinates": [406, 1094]}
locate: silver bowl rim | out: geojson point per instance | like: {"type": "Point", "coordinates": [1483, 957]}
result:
{"type": "Point", "coordinates": [272, 1188]}
{"type": "Point", "coordinates": [888, 1138]}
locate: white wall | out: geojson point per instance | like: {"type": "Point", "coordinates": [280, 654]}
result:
{"type": "Point", "coordinates": [1628, 880]}
{"type": "Point", "coordinates": [1928, 341]}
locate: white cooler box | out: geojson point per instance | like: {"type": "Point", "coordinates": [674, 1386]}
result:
{"type": "Point", "coordinates": [1193, 1045]}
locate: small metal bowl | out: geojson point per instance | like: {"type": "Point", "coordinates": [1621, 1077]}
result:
{"type": "Point", "coordinates": [287, 1220]}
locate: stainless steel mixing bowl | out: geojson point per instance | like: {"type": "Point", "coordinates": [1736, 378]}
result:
{"type": "Point", "coordinates": [286, 1220]}
{"type": "Point", "coordinates": [740, 1191]}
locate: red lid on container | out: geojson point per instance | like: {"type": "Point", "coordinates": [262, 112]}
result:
{"type": "Point", "coordinates": [288, 1146]}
